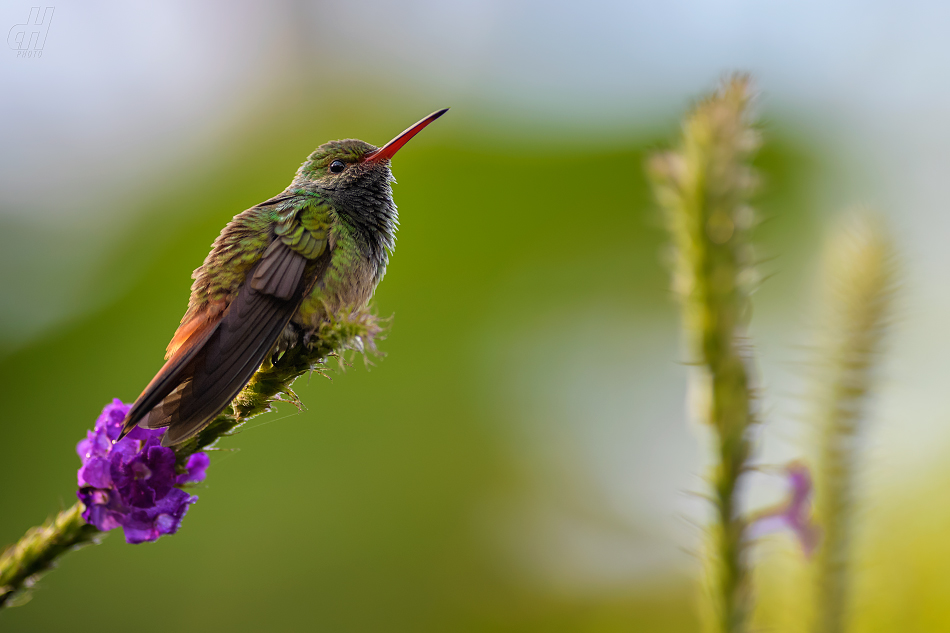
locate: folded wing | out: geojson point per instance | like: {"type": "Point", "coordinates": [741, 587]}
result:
{"type": "Point", "coordinates": [219, 356]}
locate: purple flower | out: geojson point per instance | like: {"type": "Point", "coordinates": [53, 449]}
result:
{"type": "Point", "coordinates": [133, 483]}
{"type": "Point", "coordinates": [141, 473]}
{"type": "Point", "coordinates": [195, 469]}
{"type": "Point", "coordinates": [794, 514]}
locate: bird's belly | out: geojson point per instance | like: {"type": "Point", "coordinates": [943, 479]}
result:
{"type": "Point", "coordinates": [337, 292]}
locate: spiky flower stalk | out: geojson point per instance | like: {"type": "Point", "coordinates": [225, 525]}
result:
{"type": "Point", "coordinates": [24, 562]}
{"type": "Point", "coordinates": [858, 278]}
{"type": "Point", "coordinates": [704, 187]}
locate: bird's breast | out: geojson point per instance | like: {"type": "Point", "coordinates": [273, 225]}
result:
{"type": "Point", "coordinates": [347, 283]}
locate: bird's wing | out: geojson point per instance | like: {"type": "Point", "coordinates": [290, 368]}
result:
{"type": "Point", "coordinates": [228, 358]}
{"type": "Point", "coordinates": [187, 342]}
{"type": "Point", "coordinates": [215, 353]}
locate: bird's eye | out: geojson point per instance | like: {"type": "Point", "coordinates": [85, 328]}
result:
{"type": "Point", "coordinates": [337, 166]}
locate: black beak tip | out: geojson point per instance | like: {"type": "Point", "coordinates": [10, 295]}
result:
{"type": "Point", "coordinates": [435, 115]}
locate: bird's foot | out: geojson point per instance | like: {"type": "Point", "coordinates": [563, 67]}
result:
{"type": "Point", "coordinates": [288, 339]}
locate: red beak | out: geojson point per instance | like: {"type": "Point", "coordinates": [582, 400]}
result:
{"type": "Point", "coordinates": [389, 149]}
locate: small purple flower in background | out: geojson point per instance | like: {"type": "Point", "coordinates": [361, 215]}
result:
{"type": "Point", "coordinates": [794, 514]}
{"type": "Point", "coordinates": [132, 483]}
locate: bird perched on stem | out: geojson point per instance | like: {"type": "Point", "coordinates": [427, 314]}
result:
{"type": "Point", "coordinates": [273, 275]}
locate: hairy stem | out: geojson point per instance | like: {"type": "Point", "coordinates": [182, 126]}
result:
{"type": "Point", "coordinates": [34, 554]}
{"type": "Point", "coordinates": [859, 277]}
{"type": "Point", "coordinates": [703, 187]}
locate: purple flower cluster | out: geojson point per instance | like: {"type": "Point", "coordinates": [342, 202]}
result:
{"type": "Point", "coordinates": [133, 483]}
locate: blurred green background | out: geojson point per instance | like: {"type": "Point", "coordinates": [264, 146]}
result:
{"type": "Point", "coordinates": [520, 460]}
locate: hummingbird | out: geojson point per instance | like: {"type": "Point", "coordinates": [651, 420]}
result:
{"type": "Point", "coordinates": [276, 271]}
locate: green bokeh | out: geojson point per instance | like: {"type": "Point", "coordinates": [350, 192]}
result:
{"type": "Point", "coordinates": [372, 509]}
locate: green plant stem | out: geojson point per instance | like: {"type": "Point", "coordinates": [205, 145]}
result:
{"type": "Point", "coordinates": [731, 416]}
{"type": "Point", "coordinates": [23, 562]}
{"type": "Point", "coordinates": [703, 188]}
{"type": "Point", "coordinates": [859, 277]}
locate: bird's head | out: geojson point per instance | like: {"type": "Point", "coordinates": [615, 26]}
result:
{"type": "Point", "coordinates": [350, 164]}
{"type": "Point", "coordinates": [355, 177]}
